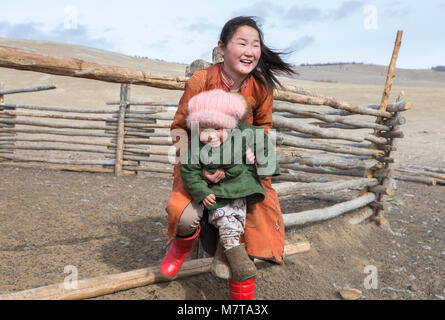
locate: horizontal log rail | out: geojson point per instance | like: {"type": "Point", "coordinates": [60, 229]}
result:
{"type": "Point", "coordinates": [29, 89]}
{"type": "Point", "coordinates": [304, 217]}
{"type": "Point", "coordinates": [288, 188]}
{"type": "Point", "coordinates": [330, 118]}
{"type": "Point", "coordinates": [282, 122]}
{"type": "Point", "coordinates": [7, 106]}
{"type": "Point", "coordinates": [102, 285]}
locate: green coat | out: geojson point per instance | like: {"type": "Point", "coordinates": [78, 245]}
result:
{"type": "Point", "coordinates": [242, 180]}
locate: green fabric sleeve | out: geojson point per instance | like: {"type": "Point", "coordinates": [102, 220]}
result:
{"type": "Point", "coordinates": [193, 180]}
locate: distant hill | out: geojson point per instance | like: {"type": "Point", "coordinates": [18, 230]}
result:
{"type": "Point", "coordinates": [337, 72]}
{"type": "Point", "coordinates": [438, 68]}
{"type": "Point", "coordinates": [369, 74]}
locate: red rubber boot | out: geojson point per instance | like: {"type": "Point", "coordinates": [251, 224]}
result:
{"type": "Point", "coordinates": [242, 290]}
{"type": "Point", "coordinates": [176, 254]}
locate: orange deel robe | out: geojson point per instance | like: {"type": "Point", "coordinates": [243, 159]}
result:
{"type": "Point", "coordinates": [264, 231]}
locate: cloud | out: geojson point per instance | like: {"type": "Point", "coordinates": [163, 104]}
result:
{"type": "Point", "coordinates": [346, 8]}
{"type": "Point", "coordinates": [262, 10]}
{"type": "Point", "coordinates": [34, 31]}
{"type": "Point", "coordinates": [397, 8]}
{"type": "Point", "coordinates": [202, 27]}
{"type": "Point", "coordinates": [298, 13]}
{"type": "Point", "coordinates": [20, 30]}
{"type": "Point", "coordinates": [301, 43]}
{"type": "Point", "coordinates": [303, 13]}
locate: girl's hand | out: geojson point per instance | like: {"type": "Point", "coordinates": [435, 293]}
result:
{"type": "Point", "coordinates": [216, 177]}
{"type": "Point", "coordinates": [250, 156]}
{"type": "Point", "coordinates": [209, 201]}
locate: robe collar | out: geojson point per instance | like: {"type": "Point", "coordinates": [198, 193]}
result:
{"type": "Point", "coordinates": [228, 81]}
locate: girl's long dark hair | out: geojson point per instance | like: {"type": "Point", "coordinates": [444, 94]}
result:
{"type": "Point", "coordinates": [270, 61]}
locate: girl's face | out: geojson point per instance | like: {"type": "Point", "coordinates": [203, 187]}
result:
{"type": "Point", "coordinates": [241, 53]}
{"type": "Point", "coordinates": [214, 137]}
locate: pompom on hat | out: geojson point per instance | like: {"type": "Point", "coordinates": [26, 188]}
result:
{"type": "Point", "coordinates": [216, 109]}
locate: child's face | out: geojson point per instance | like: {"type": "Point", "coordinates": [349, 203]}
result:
{"type": "Point", "coordinates": [242, 52]}
{"type": "Point", "coordinates": [212, 136]}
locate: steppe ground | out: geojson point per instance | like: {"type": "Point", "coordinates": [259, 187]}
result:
{"type": "Point", "coordinates": [103, 225]}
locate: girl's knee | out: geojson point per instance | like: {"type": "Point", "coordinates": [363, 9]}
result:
{"type": "Point", "coordinates": [190, 219]}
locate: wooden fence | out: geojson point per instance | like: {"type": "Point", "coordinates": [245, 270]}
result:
{"type": "Point", "coordinates": [318, 138]}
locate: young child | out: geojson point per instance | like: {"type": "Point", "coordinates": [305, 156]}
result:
{"type": "Point", "coordinates": [227, 143]}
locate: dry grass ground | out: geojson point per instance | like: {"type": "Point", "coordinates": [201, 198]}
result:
{"type": "Point", "coordinates": [103, 225]}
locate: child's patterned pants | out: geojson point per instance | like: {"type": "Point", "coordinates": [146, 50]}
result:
{"type": "Point", "coordinates": [230, 221]}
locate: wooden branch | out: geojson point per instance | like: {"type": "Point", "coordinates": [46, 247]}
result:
{"type": "Point", "coordinates": [147, 169]}
{"type": "Point", "coordinates": [285, 175]}
{"type": "Point", "coordinates": [125, 96]}
{"type": "Point", "coordinates": [304, 217]}
{"type": "Point", "coordinates": [141, 117]}
{"type": "Point", "coordinates": [425, 180]}
{"type": "Point", "coordinates": [102, 285]}
{"type": "Point", "coordinates": [81, 142]}
{"type": "Point", "coordinates": [399, 106]}
{"type": "Point", "coordinates": [323, 170]}
{"type": "Point", "coordinates": [57, 109]}
{"type": "Point", "coordinates": [386, 159]}
{"type": "Point", "coordinates": [298, 98]}
{"type": "Point", "coordinates": [58, 161]}
{"type": "Point", "coordinates": [392, 134]}
{"type": "Point", "coordinates": [392, 107]}
{"type": "Point", "coordinates": [53, 116]}
{"type": "Point", "coordinates": [282, 122]}
{"type": "Point", "coordinates": [382, 173]}
{"type": "Point", "coordinates": [386, 147]}
{"type": "Point", "coordinates": [437, 170]}
{"type": "Point", "coordinates": [376, 140]}
{"type": "Point", "coordinates": [383, 107]}
{"type": "Point", "coordinates": [318, 159]}
{"type": "Point", "coordinates": [439, 176]}
{"type": "Point", "coordinates": [397, 121]}
{"type": "Point", "coordinates": [54, 148]}
{"type": "Point", "coordinates": [361, 215]}
{"type": "Point", "coordinates": [331, 118]}
{"type": "Point", "coordinates": [17, 59]}
{"type": "Point", "coordinates": [30, 89]}
{"type": "Point", "coordinates": [161, 141]}
{"type": "Point", "coordinates": [283, 139]}
{"type": "Point", "coordinates": [287, 188]}
{"type": "Point", "coordinates": [57, 125]}
{"type": "Point", "coordinates": [145, 103]}
{"type": "Point", "coordinates": [60, 133]}
{"type": "Point", "coordinates": [381, 189]}
{"type": "Point", "coordinates": [148, 159]}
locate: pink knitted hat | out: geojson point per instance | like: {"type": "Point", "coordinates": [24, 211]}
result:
{"type": "Point", "coordinates": [216, 108]}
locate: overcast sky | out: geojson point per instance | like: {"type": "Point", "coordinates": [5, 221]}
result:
{"type": "Point", "coordinates": [182, 31]}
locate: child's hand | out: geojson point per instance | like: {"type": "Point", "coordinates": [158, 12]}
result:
{"type": "Point", "coordinates": [250, 156]}
{"type": "Point", "coordinates": [209, 201]}
{"type": "Point", "coordinates": [216, 177]}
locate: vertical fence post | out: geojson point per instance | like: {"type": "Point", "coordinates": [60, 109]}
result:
{"type": "Point", "coordinates": [9, 135]}
{"type": "Point", "coordinates": [383, 106]}
{"type": "Point", "coordinates": [124, 103]}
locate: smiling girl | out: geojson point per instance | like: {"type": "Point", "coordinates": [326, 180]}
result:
{"type": "Point", "coordinates": [250, 69]}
